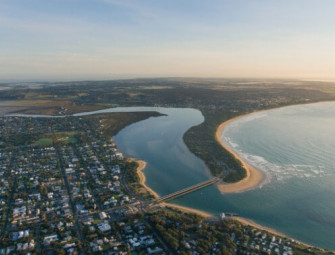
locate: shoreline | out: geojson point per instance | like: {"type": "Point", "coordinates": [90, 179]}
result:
{"type": "Point", "coordinates": [189, 210]}
{"type": "Point", "coordinates": [254, 178]}
{"type": "Point", "coordinates": [141, 166]}
{"type": "Point", "coordinates": [272, 231]}
{"type": "Point", "coordinates": [251, 223]}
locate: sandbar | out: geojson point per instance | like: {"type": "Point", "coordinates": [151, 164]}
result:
{"type": "Point", "coordinates": [254, 177]}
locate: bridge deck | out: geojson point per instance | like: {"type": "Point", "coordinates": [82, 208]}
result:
{"type": "Point", "coordinates": [187, 190]}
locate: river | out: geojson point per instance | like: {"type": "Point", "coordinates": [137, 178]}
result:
{"type": "Point", "coordinates": [294, 146]}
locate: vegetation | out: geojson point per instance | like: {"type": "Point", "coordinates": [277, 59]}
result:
{"type": "Point", "coordinates": [132, 179]}
{"type": "Point", "coordinates": [185, 233]}
{"type": "Point", "coordinates": [44, 141]}
{"type": "Point", "coordinates": [114, 122]}
{"type": "Point", "coordinates": [17, 140]}
{"type": "Point", "coordinates": [202, 142]}
{"type": "Point", "coordinates": [90, 185]}
{"type": "Point", "coordinates": [218, 100]}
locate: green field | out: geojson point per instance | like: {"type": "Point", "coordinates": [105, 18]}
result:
{"type": "Point", "coordinates": [67, 139]}
{"type": "Point", "coordinates": [62, 137]}
{"type": "Point", "coordinates": [44, 141]}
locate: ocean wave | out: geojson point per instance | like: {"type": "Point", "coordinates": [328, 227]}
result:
{"type": "Point", "coordinates": [281, 173]}
{"type": "Point", "coordinates": [229, 142]}
{"type": "Point", "coordinates": [247, 118]}
{"type": "Point", "coordinates": [254, 116]}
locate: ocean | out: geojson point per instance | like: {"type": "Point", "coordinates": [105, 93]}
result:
{"type": "Point", "coordinates": [294, 146]}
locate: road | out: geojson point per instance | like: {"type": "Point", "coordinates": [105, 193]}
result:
{"type": "Point", "coordinates": [68, 189]}
{"type": "Point", "coordinates": [10, 202]}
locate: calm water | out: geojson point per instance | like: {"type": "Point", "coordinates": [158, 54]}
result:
{"type": "Point", "coordinates": [295, 146]}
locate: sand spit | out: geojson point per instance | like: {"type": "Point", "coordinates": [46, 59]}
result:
{"type": "Point", "coordinates": [254, 176]}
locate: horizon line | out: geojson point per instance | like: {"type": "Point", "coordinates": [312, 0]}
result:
{"type": "Point", "coordinates": [65, 80]}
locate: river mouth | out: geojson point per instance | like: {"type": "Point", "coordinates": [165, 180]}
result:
{"type": "Point", "coordinates": [295, 202]}
{"type": "Point", "coordinates": [287, 201]}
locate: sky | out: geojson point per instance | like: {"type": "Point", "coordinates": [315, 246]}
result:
{"type": "Point", "coordinates": [108, 39]}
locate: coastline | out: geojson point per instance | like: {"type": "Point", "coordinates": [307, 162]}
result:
{"type": "Point", "coordinates": [141, 166]}
{"type": "Point", "coordinates": [254, 177]}
{"type": "Point", "coordinates": [189, 210]}
{"type": "Point", "coordinates": [272, 231]}
{"type": "Point", "coordinates": [251, 223]}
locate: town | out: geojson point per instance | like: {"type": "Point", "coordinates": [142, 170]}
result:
{"type": "Point", "coordinates": [64, 190]}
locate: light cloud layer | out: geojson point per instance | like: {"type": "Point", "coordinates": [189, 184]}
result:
{"type": "Point", "coordinates": [71, 39]}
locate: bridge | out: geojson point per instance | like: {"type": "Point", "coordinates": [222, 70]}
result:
{"type": "Point", "coordinates": [187, 190]}
{"type": "Point", "coordinates": [148, 204]}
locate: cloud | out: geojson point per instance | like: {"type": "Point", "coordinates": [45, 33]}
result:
{"type": "Point", "coordinates": [134, 6]}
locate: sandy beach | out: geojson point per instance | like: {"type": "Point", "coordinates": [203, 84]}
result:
{"type": "Point", "coordinates": [253, 179]}
{"type": "Point", "coordinates": [254, 176]}
{"type": "Point", "coordinates": [141, 166]}
{"type": "Point", "coordinates": [189, 210]}
{"type": "Point", "coordinates": [248, 222]}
